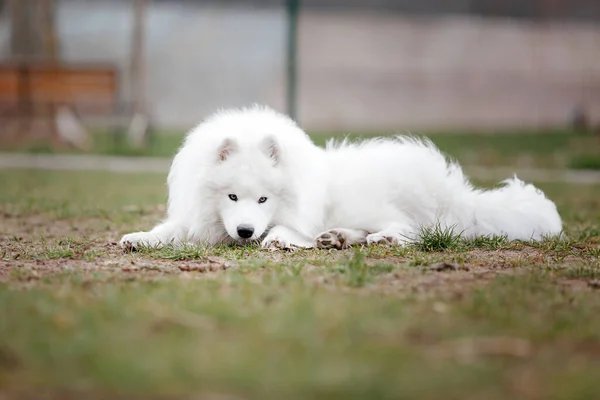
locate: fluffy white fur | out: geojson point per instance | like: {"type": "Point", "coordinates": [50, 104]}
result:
{"type": "Point", "coordinates": [254, 172]}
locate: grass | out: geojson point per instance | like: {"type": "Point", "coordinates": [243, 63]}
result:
{"type": "Point", "coordinates": [438, 238]}
{"type": "Point", "coordinates": [585, 161]}
{"type": "Point", "coordinates": [443, 318]}
{"type": "Point", "coordinates": [547, 149]}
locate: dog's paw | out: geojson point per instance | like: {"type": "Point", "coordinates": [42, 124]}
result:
{"type": "Point", "coordinates": [332, 239]}
{"type": "Point", "coordinates": [277, 243]}
{"type": "Point", "coordinates": [282, 238]}
{"type": "Point", "coordinates": [133, 241]}
{"type": "Point", "coordinates": [386, 238]}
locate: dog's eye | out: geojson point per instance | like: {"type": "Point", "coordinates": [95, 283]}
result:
{"type": "Point", "coordinates": [233, 197]}
{"type": "Point", "coordinates": [262, 200]}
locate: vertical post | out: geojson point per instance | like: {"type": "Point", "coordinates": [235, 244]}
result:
{"type": "Point", "coordinates": [21, 47]}
{"type": "Point", "coordinates": [24, 43]}
{"type": "Point", "coordinates": [137, 71]}
{"type": "Point", "coordinates": [291, 59]}
{"type": "Point", "coordinates": [50, 55]}
{"type": "Point", "coordinates": [138, 127]}
{"type": "Point", "coordinates": [50, 41]}
{"type": "Point", "coordinates": [33, 39]}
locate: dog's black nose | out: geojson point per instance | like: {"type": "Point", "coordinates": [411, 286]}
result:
{"type": "Point", "coordinates": [245, 231]}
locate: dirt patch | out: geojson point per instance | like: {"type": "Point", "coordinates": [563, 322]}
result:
{"type": "Point", "coordinates": [36, 246]}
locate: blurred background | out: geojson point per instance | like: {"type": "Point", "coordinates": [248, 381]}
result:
{"type": "Point", "coordinates": [130, 77]}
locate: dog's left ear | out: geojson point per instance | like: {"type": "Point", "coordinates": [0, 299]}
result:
{"type": "Point", "coordinates": [227, 147]}
{"type": "Point", "coordinates": [271, 148]}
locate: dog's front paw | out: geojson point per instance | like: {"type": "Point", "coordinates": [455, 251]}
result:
{"type": "Point", "coordinates": [133, 241]}
{"type": "Point", "coordinates": [283, 238]}
{"type": "Point", "coordinates": [332, 239]}
{"type": "Point", "coordinates": [277, 243]}
{"type": "Point", "coordinates": [387, 238]}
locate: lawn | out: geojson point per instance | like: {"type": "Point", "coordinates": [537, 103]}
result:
{"type": "Point", "coordinates": [443, 319]}
{"type": "Point", "coordinates": [546, 149]}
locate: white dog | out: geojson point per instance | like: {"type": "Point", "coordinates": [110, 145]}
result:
{"type": "Point", "coordinates": [254, 175]}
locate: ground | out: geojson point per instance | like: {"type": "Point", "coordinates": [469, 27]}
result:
{"type": "Point", "coordinates": [445, 318]}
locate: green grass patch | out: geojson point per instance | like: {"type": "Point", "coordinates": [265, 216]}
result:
{"type": "Point", "coordinates": [53, 252]}
{"type": "Point", "coordinates": [582, 273]}
{"type": "Point", "coordinates": [357, 273]}
{"type": "Point", "coordinates": [489, 242]}
{"type": "Point", "coordinates": [585, 161]}
{"type": "Point", "coordinates": [547, 149]}
{"type": "Point", "coordinates": [81, 194]}
{"type": "Point", "coordinates": [187, 251]}
{"type": "Point", "coordinates": [268, 340]}
{"type": "Point", "coordinates": [438, 238]}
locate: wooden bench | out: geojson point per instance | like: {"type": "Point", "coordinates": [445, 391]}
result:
{"type": "Point", "coordinates": [88, 89]}
{"type": "Point", "coordinates": [31, 92]}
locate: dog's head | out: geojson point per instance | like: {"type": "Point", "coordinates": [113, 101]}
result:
{"type": "Point", "coordinates": [247, 185]}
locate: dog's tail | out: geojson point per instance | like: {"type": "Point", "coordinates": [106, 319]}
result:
{"type": "Point", "coordinates": [517, 210]}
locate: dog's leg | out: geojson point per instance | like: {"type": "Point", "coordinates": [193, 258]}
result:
{"type": "Point", "coordinates": [341, 238]}
{"type": "Point", "coordinates": [281, 237]}
{"type": "Point", "coordinates": [160, 235]}
{"type": "Point", "coordinates": [395, 233]}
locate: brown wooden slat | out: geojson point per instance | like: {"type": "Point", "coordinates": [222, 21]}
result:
{"type": "Point", "coordinates": [87, 88]}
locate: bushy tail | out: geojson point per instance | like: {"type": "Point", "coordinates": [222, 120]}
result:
{"type": "Point", "coordinates": [517, 210]}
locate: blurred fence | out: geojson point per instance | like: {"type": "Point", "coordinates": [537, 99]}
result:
{"type": "Point", "coordinates": [362, 65]}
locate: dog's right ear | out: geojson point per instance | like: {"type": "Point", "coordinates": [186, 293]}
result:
{"type": "Point", "coordinates": [271, 149]}
{"type": "Point", "coordinates": [227, 147]}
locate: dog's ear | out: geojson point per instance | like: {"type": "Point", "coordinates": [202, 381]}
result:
{"type": "Point", "coordinates": [271, 148]}
{"type": "Point", "coordinates": [227, 147]}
